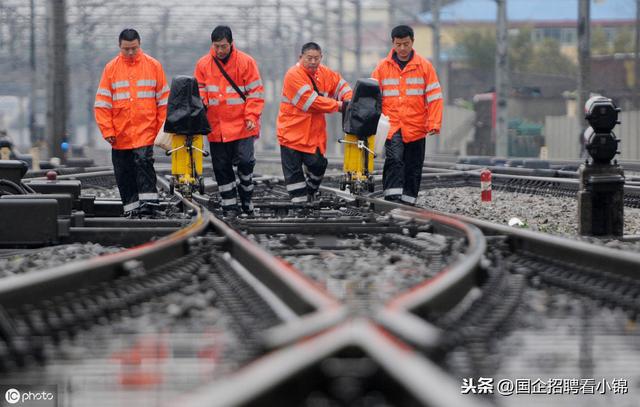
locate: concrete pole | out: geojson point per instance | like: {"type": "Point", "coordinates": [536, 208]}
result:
{"type": "Point", "coordinates": [33, 137]}
{"type": "Point", "coordinates": [340, 37]}
{"type": "Point", "coordinates": [258, 6]}
{"type": "Point", "coordinates": [358, 45]}
{"type": "Point", "coordinates": [435, 12]}
{"type": "Point", "coordinates": [392, 13]}
{"type": "Point", "coordinates": [636, 79]}
{"type": "Point", "coordinates": [502, 82]}
{"type": "Point", "coordinates": [57, 83]}
{"type": "Point", "coordinates": [164, 24]}
{"type": "Point", "coordinates": [325, 34]}
{"type": "Point", "coordinates": [584, 57]}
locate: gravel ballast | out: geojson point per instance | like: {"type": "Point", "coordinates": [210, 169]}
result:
{"type": "Point", "coordinates": [547, 214]}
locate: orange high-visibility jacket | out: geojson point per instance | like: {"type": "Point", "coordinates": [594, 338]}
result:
{"type": "Point", "coordinates": [131, 102]}
{"type": "Point", "coordinates": [411, 98]}
{"type": "Point", "coordinates": [301, 124]}
{"type": "Point", "coordinates": [226, 110]}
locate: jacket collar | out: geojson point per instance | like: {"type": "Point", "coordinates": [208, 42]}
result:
{"type": "Point", "coordinates": [412, 61]}
{"type": "Point", "coordinates": [306, 72]}
{"type": "Point", "coordinates": [137, 58]}
{"type": "Point", "coordinates": [232, 55]}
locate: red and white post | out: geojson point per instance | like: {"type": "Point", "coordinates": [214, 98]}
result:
{"type": "Point", "coordinates": [485, 185]}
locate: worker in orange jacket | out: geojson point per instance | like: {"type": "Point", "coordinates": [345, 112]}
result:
{"type": "Point", "coordinates": [412, 99]}
{"type": "Point", "coordinates": [232, 90]}
{"type": "Point", "coordinates": [309, 91]}
{"type": "Point", "coordinates": [130, 108]}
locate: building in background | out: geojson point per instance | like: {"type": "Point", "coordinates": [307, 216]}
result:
{"type": "Point", "coordinates": [542, 57]}
{"type": "Point", "coordinates": [544, 20]}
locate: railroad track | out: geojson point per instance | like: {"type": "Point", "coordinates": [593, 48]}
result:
{"type": "Point", "coordinates": [67, 305]}
{"type": "Point", "coordinates": [315, 307]}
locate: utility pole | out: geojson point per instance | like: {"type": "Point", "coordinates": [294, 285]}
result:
{"type": "Point", "coordinates": [435, 12]}
{"type": "Point", "coordinates": [340, 37]}
{"type": "Point", "coordinates": [258, 6]}
{"type": "Point", "coordinates": [636, 77]}
{"type": "Point", "coordinates": [13, 37]}
{"type": "Point", "coordinates": [325, 32]}
{"type": "Point", "coordinates": [392, 13]}
{"type": "Point", "coordinates": [279, 71]}
{"type": "Point", "coordinates": [584, 57]}
{"type": "Point", "coordinates": [87, 29]}
{"type": "Point", "coordinates": [57, 100]}
{"type": "Point", "coordinates": [358, 47]}
{"type": "Point", "coordinates": [332, 123]}
{"type": "Point", "coordinates": [2, 18]}
{"type": "Point", "coordinates": [164, 24]}
{"type": "Point", "coordinates": [33, 137]}
{"type": "Point", "coordinates": [502, 82]}
{"type": "Point", "coordinates": [308, 29]}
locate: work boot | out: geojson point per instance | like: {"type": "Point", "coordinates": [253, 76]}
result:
{"type": "Point", "coordinates": [149, 209]}
{"type": "Point", "coordinates": [132, 214]}
{"type": "Point", "coordinates": [247, 208]}
{"type": "Point", "coordinates": [231, 212]}
{"type": "Point", "coordinates": [312, 196]}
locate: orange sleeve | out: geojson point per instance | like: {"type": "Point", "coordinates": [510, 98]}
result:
{"type": "Point", "coordinates": [103, 106]}
{"type": "Point", "coordinates": [162, 97]}
{"type": "Point", "coordinates": [341, 89]}
{"type": "Point", "coordinates": [433, 100]}
{"type": "Point", "coordinates": [299, 92]}
{"type": "Point", "coordinates": [254, 90]}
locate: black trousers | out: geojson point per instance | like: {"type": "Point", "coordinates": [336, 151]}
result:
{"type": "Point", "coordinates": [224, 156]}
{"type": "Point", "coordinates": [135, 176]}
{"type": "Point", "coordinates": [303, 172]}
{"type": "Point", "coordinates": [402, 171]}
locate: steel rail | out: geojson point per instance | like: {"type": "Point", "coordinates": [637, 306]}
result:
{"type": "Point", "coordinates": [404, 314]}
{"type": "Point", "coordinates": [438, 294]}
{"type": "Point", "coordinates": [295, 298]}
{"type": "Point", "coordinates": [316, 309]}
{"type": "Point", "coordinates": [409, 378]}
{"type": "Point", "coordinates": [618, 262]}
{"type": "Point", "coordinates": [33, 287]}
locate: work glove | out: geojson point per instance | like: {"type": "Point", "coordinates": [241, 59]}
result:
{"type": "Point", "coordinates": [345, 105]}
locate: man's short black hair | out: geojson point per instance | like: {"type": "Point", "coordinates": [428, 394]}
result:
{"type": "Point", "coordinates": [128, 34]}
{"type": "Point", "coordinates": [310, 45]}
{"type": "Point", "coordinates": [221, 32]}
{"type": "Point", "coordinates": [402, 31]}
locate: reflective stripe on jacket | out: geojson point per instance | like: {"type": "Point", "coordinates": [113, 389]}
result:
{"type": "Point", "coordinates": [411, 98]}
{"type": "Point", "coordinates": [226, 110]}
{"type": "Point", "coordinates": [301, 125]}
{"type": "Point", "coordinates": [131, 101]}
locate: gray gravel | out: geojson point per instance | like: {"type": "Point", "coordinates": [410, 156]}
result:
{"type": "Point", "coordinates": [178, 342]}
{"type": "Point", "coordinates": [560, 336]}
{"type": "Point", "coordinates": [365, 270]}
{"type": "Point", "coordinates": [46, 258]}
{"type": "Point", "coordinates": [101, 192]}
{"type": "Point", "coordinates": [547, 214]}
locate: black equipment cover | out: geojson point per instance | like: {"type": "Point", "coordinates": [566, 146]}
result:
{"type": "Point", "coordinates": [186, 114]}
{"type": "Point", "coordinates": [362, 114]}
